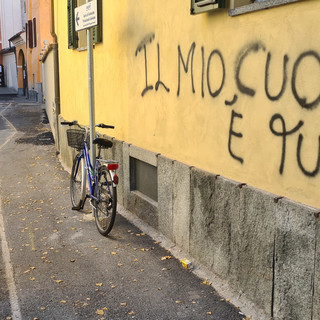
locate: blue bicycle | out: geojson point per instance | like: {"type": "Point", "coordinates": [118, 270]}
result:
{"type": "Point", "coordinates": [102, 179]}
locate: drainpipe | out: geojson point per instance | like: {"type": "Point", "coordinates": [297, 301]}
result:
{"type": "Point", "coordinates": [56, 77]}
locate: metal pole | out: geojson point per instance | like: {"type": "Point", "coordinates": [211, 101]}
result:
{"type": "Point", "coordinates": [91, 97]}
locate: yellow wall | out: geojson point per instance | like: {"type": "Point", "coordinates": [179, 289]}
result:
{"type": "Point", "coordinates": [194, 127]}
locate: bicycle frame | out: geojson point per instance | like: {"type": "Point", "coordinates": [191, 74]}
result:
{"type": "Point", "coordinates": [92, 175]}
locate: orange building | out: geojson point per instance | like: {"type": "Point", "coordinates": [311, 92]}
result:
{"type": "Point", "coordinates": [37, 35]}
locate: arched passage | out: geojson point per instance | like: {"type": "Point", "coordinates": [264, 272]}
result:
{"type": "Point", "coordinates": [22, 74]}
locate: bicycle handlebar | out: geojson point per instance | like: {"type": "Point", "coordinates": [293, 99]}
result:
{"type": "Point", "coordinates": [75, 122]}
{"type": "Point", "coordinates": [69, 123]}
{"type": "Point", "coordinates": [104, 126]}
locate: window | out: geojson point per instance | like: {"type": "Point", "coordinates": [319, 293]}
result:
{"type": "Point", "coordinates": [32, 33]}
{"type": "Point", "coordinates": [143, 178]}
{"type": "Point", "coordinates": [199, 6]}
{"type": "Point", "coordinates": [79, 39]}
{"type": "Point", "coordinates": [244, 6]}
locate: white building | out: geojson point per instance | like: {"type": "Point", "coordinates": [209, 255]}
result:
{"type": "Point", "coordinates": [12, 22]}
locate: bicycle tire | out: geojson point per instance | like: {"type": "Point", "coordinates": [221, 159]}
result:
{"type": "Point", "coordinates": [105, 208]}
{"type": "Point", "coordinates": [78, 182]}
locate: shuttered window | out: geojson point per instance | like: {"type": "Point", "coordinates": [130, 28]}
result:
{"type": "Point", "coordinates": [34, 30]}
{"type": "Point", "coordinates": [79, 39]}
{"type": "Point", "coordinates": [244, 6]}
{"type": "Point", "coordinates": [72, 39]}
{"type": "Point", "coordinates": [200, 6]}
{"type": "Point", "coordinates": [31, 27]}
{"type": "Point", "coordinates": [97, 30]}
{"type": "Point", "coordinates": [30, 34]}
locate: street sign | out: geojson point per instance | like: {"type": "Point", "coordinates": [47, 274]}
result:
{"type": "Point", "coordinates": [86, 16]}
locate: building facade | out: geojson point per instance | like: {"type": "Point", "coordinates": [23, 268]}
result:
{"type": "Point", "coordinates": [12, 19]}
{"type": "Point", "coordinates": [25, 30]}
{"type": "Point", "coordinates": [216, 133]}
{"type": "Point", "coordinates": [38, 36]}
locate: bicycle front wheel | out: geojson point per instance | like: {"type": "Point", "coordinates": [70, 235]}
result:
{"type": "Point", "coordinates": [78, 182]}
{"type": "Point", "coordinates": [105, 207]}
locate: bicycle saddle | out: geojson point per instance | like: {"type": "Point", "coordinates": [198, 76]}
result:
{"type": "Point", "coordinates": [104, 143]}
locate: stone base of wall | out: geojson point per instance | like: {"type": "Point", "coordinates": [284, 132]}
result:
{"type": "Point", "coordinates": [263, 247]}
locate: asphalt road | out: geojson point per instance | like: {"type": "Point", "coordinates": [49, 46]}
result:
{"type": "Point", "coordinates": [53, 262]}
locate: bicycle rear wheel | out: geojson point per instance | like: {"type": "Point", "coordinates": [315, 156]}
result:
{"type": "Point", "coordinates": [78, 182]}
{"type": "Point", "coordinates": [105, 207]}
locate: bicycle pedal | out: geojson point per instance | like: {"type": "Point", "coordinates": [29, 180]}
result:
{"type": "Point", "coordinates": [76, 208]}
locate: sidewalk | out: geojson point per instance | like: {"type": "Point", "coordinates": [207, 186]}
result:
{"type": "Point", "coordinates": [7, 93]}
{"type": "Point", "coordinates": [62, 267]}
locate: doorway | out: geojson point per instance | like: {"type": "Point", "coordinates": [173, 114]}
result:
{"type": "Point", "coordinates": [22, 75]}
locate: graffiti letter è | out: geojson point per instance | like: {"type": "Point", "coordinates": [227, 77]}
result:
{"type": "Point", "coordinates": [233, 133]}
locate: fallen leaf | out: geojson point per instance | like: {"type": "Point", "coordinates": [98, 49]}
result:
{"type": "Point", "coordinates": [100, 312]}
{"type": "Point", "coordinates": [131, 313]}
{"type": "Point", "coordinates": [209, 313]}
{"type": "Point", "coordinates": [32, 278]}
{"type": "Point", "coordinates": [166, 258]}
{"type": "Point", "coordinates": [99, 284]}
{"type": "Point", "coordinates": [63, 301]}
{"type": "Point", "coordinates": [123, 304]}
{"type": "Point", "coordinates": [58, 281]}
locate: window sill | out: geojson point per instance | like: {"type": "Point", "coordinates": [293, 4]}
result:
{"type": "Point", "coordinates": [258, 6]}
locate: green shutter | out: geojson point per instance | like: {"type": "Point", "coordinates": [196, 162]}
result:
{"type": "Point", "coordinates": [72, 39]}
{"type": "Point", "coordinates": [200, 6]}
{"type": "Point", "coordinates": [97, 30]}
